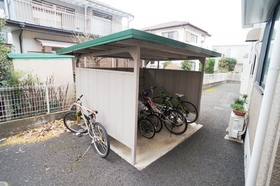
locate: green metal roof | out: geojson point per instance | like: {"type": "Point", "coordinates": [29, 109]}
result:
{"type": "Point", "coordinates": [37, 56]}
{"type": "Point", "coordinates": [153, 47]}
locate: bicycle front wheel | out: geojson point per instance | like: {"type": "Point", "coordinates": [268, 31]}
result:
{"type": "Point", "coordinates": [100, 139]}
{"type": "Point", "coordinates": [189, 111]}
{"type": "Point", "coordinates": [74, 122]}
{"type": "Point", "coordinates": [147, 129]}
{"type": "Point", "coordinates": [155, 119]}
{"type": "Point", "coordinates": [175, 122]}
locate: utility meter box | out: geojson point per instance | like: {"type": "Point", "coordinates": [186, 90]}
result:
{"type": "Point", "coordinates": [236, 126]}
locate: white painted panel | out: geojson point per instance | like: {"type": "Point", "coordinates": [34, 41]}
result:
{"type": "Point", "coordinates": [110, 92]}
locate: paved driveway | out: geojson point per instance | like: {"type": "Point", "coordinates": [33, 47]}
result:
{"type": "Point", "coordinates": [205, 158]}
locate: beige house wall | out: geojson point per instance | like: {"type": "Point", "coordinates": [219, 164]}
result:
{"type": "Point", "coordinates": [254, 110]}
{"type": "Point", "coordinates": [59, 69]}
{"type": "Point", "coordinates": [276, 168]}
{"type": "Point", "coordinates": [31, 45]}
{"type": "Point", "coordinates": [269, 167]}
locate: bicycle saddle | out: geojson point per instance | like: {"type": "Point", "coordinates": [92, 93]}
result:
{"type": "Point", "coordinates": [179, 95]}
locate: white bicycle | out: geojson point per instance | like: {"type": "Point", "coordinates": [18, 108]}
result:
{"type": "Point", "coordinates": [82, 121]}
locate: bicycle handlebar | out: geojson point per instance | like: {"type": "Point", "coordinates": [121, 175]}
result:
{"type": "Point", "coordinates": [80, 97]}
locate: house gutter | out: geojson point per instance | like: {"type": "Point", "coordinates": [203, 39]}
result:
{"type": "Point", "coordinates": [271, 82]}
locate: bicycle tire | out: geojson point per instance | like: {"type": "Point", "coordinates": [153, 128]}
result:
{"type": "Point", "coordinates": [188, 110]}
{"type": "Point", "coordinates": [100, 139]}
{"type": "Point", "coordinates": [157, 122]}
{"type": "Point", "coordinates": [175, 122]}
{"type": "Point", "coordinates": [74, 122]}
{"type": "Point", "coordinates": [147, 128]}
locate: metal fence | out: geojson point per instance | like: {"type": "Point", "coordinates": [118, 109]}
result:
{"type": "Point", "coordinates": [27, 101]}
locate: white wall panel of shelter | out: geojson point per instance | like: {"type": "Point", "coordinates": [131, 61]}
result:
{"type": "Point", "coordinates": [109, 92]}
{"type": "Point", "coordinates": [115, 93]}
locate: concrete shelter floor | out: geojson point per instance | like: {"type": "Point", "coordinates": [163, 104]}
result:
{"type": "Point", "coordinates": [149, 150]}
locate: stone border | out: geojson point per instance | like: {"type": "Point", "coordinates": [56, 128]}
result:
{"type": "Point", "coordinates": [9, 128]}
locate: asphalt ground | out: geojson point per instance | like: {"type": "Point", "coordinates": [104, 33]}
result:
{"type": "Point", "coordinates": [205, 158]}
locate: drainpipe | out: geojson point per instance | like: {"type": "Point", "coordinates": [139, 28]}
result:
{"type": "Point", "coordinates": [85, 27]}
{"type": "Point", "coordinates": [130, 21]}
{"type": "Point", "coordinates": [271, 81]}
{"type": "Point", "coordinates": [20, 37]}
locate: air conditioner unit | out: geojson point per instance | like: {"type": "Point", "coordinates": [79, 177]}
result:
{"type": "Point", "coordinates": [236, 128]}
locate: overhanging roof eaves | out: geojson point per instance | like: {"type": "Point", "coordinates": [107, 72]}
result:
{"type": "Point", "coordinates": [153, 47]}
{"type": "Point", "coordinates": [257, 11]}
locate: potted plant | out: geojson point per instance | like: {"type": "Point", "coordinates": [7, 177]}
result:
{"type": "Point", "coordinates": [238, 105]}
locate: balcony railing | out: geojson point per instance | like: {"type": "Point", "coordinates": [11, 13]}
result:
{"type": "Point", "coordinates": [31, 12]}
{"type": "Point", "coordinates": [47, 14]}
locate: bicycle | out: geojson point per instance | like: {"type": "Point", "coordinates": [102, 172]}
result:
{"type": "Point", "coordinates": [185, 107]}
{"type": "Point", "coordinates": [146, 126]}
{"type": "Point", "coordinates": [82, 121]}
{"type": "Point", "coordinates": [173, 120]}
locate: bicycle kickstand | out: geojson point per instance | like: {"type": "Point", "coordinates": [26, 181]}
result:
{"type": "Point", "coordinates": [86, 150]}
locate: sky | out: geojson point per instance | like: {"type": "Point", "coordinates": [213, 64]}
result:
{"type": "Point", "coordinates": [220, 18]}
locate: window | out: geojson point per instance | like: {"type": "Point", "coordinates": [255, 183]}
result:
{"type": "Point", "coordinates": [2, 9]}
{"type": "Point", "coordinates": [269, 36]}
{"type": "Point", "coordinates": [101, 15]}
{"type": "Point", "coordinates": [190, 37]}
{"type": "Point", "coordinates": [170, 35]}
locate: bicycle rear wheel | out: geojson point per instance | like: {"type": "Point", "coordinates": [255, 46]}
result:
{"type": "Point", "coordinates": [175, 122]}
{"type": "Point", "coordinates": [147, 129]}
{"type": "Point", "coordinates": [100, 139]}
{"type": "Point", "coordinates": [74, 122]}
{"type": "Point", "coordinates": [189, 111]}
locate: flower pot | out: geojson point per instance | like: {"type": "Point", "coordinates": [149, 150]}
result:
{"type": "Point", "coordinates": [239, 113]}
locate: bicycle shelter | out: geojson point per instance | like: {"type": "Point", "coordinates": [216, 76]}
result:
{"type": "Point", "coordinates": [114, 92]}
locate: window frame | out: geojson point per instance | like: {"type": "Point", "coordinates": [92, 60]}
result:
{"type": "Point", "coordinates": [194, 38]}
{"type": "Point", "coordinates": [265, 46]}
{"type": "Point", "coordinates": [174, 34]}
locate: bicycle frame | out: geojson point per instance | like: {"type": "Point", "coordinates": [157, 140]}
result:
{"type": "Point", "coordinates": [87, 126]}
{"type": "Point", "coordinates": [91, 118]}
{"type": "Point", "coordinates": [165, 94]}
{"type": "Point", "coordinates": [154, 108]}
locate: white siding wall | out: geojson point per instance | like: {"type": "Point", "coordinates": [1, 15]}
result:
{"type": "Point", "coordinates": [181, 35]}
{"type": "Point", "coordinates": [110, 92]}
{"type": "Point", "coordinates": [60, 69]}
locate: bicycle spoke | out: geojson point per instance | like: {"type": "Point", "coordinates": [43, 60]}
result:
{"type": "Point", "coordinates": [100, 140]}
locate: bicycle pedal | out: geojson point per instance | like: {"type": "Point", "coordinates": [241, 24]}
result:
{"type": "Point", "coordinates": [79, 134]}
